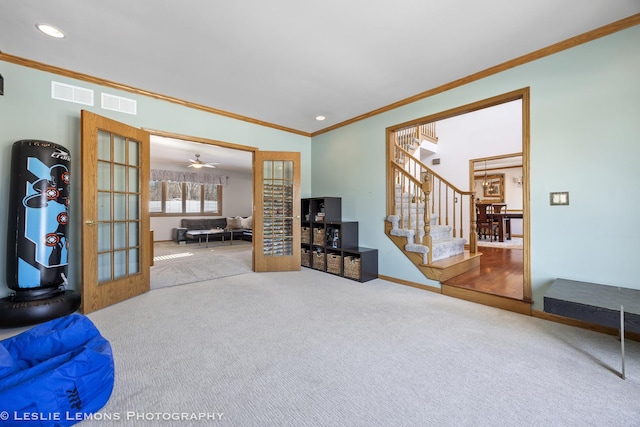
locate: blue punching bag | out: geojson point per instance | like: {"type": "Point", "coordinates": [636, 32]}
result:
{"type": "Point", "coordinates": [37, 244]}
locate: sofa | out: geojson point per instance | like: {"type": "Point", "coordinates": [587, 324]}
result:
{"type": "Point", "coordinates": [234, 228]}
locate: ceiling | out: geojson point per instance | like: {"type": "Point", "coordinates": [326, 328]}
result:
{"type": "Point", "coordinates": [170, 153]}
{"type": "Point", "coordinates": [284, 62]}
{"type": "Point", "coordinates": [497, 163]}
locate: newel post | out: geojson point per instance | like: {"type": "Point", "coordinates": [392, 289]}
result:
{"type": "Point", "coordinates": [426, 188]}
{"type": "Point", "coordinates": [473, 238]}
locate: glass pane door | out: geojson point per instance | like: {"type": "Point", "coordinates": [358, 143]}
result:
{"type": "Point", "coordinates": [276, 220]}
{"type": "Point", "coordinates": [116, 236]}
{"type": "Point", "coordinates": [277, 205]}
{"type": "Point", "coordinates": [118, 207]}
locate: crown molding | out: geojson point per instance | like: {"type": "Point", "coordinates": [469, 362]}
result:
{"type": "Point", "coordinates": [103, 82]}
{"type": "Point", "coordinates": [606, 30]}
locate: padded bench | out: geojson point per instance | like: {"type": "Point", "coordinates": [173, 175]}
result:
{"type": "Point", "coordinates": [604, 305]}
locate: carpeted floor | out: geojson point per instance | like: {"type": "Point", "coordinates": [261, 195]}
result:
{"type": "Point", "coordinates": [181, 264]}
{"type": "Point", "coordinates": [307, 348]}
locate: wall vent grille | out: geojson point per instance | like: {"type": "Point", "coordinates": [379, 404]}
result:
{"type": "Point", "coordinates": [120, 104]}
{"type": "Point", "coordinates": [70, 93]}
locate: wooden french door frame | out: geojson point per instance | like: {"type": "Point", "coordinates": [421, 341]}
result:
{"type": "Point", "coordinates": [116, 246]}
{"type": "Point", "coordinates": [291, 263]}
{"type": "Point", "coordinates": [276, 218]}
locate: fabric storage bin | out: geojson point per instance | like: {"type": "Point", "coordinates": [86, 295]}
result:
{"type": "Point", "coordinates": [352, 267]}
{"type": "Point", "coordinates": [318, 236]}
{"type": "Point", "coordinates": [305, 235]}
{"type": "Point", "coordinates": [318, 261]}
{"type": "Point", "coordinates": [305, 257]}
{"type": "Point", "coordinates": [334, 263]}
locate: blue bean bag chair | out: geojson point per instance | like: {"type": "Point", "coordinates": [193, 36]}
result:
{"type": "Point", "coordinates": [55, 374]}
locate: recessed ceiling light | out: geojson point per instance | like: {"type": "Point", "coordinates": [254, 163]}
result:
{"type": "Point", "coordinates": [320, 118]}
{"type": "Point", "coordinates": [50, 31]}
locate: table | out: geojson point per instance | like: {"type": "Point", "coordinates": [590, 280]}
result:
{"type": "Point", "coordinates": [200, 234]}
{"type": "Point", "coordinates": [504, 224]}
{"type": "Point", "coordinates": [604, 305]}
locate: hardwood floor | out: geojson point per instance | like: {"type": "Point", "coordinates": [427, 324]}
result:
{"type": "Point", "coordinates": [500, 273]}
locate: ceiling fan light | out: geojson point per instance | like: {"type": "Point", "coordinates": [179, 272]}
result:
{"type": "Point", "coordinates": [197, 165]}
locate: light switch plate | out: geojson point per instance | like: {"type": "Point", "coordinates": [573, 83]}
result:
{"type": "Point", "coordinates": [559, 198]}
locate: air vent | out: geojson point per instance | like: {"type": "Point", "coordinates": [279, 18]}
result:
{"type": "Point", "coordinates": [65, 92]}
{"type": "Point", "coordinates": [120, 104]}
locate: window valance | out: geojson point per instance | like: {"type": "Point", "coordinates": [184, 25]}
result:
{"type": "Point", "coordinates": [196, 177]}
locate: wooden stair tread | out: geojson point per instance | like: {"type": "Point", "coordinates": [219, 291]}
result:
{"type": "Point", "coordinates": [453, 260]}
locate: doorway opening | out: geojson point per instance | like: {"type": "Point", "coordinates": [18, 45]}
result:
{"type": "Point", "coordinates": [491, 140]}
{"type": "Point", "coordinates": [455, 147]}
{"type": "Point", "coordinates": [497, 184]}
{"type": "Point", "coordinates": [230, 167]}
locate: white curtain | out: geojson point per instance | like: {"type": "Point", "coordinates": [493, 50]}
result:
{"type": "Point", "coordinates": [196, 177]}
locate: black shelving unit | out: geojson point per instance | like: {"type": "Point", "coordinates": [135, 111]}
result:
{"type": "Point", "coordinates": [331, 245]}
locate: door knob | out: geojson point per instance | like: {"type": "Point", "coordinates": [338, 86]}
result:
{"type": "Point", "coordinates": [90, 222]}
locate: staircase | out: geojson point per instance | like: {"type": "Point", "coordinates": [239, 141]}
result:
{"type": "Point", "coordinates": [426, 214]}
{"type": "Point", "coordinates": [444, 245]}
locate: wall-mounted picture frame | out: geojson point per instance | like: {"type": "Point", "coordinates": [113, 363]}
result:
{"type": "Point", "coordinates": [494, 192]}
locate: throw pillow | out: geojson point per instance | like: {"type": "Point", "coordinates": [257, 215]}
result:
{"type": "Point", "coordinates": [234, 223]}
{"type": "Point", "coordinates": [247, 223]}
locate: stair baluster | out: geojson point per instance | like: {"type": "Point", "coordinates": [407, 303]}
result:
{"type": "Point", "coordinates": [426, 189]}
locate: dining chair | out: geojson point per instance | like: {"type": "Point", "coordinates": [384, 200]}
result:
{"type": "Point", "coordinates": [484, 221]}
{"type": "Point", "coordinates": [499, 208]}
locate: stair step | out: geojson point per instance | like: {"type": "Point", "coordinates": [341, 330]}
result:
{"type": "Point", "coordinates": [406, 206]}
{"type": "Point", "coordinates": [435, 228]}
{"type": "Point", "coordinates": [450, 267]}
{"type": "Point", "coordinates": [440, 269]}
{"type": "Point", "coordinates": [443, 244]}
{"type": "Point", "coordinates": [441, 248]}
{"type": "Point", "coordinates": [405, 200]}
{"type": "Point", "coordinates": [433, 221]}
{"type": "Point", "coordinates": [447, 248]}
{"type": "Point", "coordinates": [440, 232]}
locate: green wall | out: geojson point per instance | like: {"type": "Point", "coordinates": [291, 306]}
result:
{"type": "Point", "coordinates": [28, 112]}
{"type": "Point", "coordinates": [585, 139]}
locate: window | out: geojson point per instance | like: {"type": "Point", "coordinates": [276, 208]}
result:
{"type": "Point", "coordinates": [168, 198]}
{"type": "Point", "coordinates": [193, 197]}
{"type": "Point", "coordinates": [155, 197]}
{"type": "Point", "coordinates": [173, 200]}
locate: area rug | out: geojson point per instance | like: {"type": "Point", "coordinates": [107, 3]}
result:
{"type": "Point", "coordinates": [513, 243]}
{"type": "Point", "coordinates": [176, 264]}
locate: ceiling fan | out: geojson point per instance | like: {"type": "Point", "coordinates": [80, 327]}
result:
{"type": "Point", "coordinates": [197, 163]}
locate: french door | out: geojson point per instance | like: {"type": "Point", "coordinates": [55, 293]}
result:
{"type": "Point", "coordinates": [116, 243]}
{"type": "Point", "coordinates": [276, 226]}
